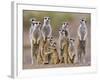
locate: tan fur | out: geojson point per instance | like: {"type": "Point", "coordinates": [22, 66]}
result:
{"type": "Point", "coordinates": [54, 56]}
{"type": "Point", "coordinates": [65, 51]}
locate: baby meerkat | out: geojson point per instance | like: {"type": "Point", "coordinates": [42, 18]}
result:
{"type": "Point", "coordinates": [43, 50]}
{"type": "Point", "coordinates": [54, 54]}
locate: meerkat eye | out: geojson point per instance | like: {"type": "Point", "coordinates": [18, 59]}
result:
{"type": "Point", "coordinates": [62, 30]}
{"type": "Point", "coordinates": [36, 23]}
{"type": "Point", "coordinates": [48, 17]}
{"type": "Point", "coordinates": [64, 23]}
{"type": "Point", "coordinates": [39, 23]}
{"type": "Point", "coordinates": [70, 39]}
{"type": "Point", "coordinates": [82, 19]}
{"type": "Point", "coordinates": [32, 19]}
{"type": "Point", "coordinates": [45, 18]}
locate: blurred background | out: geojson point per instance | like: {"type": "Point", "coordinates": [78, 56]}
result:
{"type": "Point", "coordinates": [57, 19]}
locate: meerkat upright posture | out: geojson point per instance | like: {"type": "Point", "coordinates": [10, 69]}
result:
{"type": "Point", "coordinates": [32, 21]}
{"type": "Point", "coordinates": [32, 27]}
{"type": "Point", "coordinates": [82, 35]}
{"type": "Point", "coordinates": [71, 50]}
{"type": "Point", "coordinates": [35, 35]}
{"type": "Point", "coordinates": [54, 53]}
{"type": "Point", "coordinates": [60, 41]}
{"type": "Point", "coordinates": [63, 33]}
{"type": "Point", "coordinates": [46, 28]}
{"type": "Point", "coordinates": [65, 54]}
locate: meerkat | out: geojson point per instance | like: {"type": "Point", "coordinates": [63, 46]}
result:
{"type": "Point", "coordinates": [82, 30]}
{"type": "Point", "coordinates": [43, 50]}
{"type": "Point", "coordinates": [54, 53]}
{"type": "Point", "coordinates": [65, 54]}
{"type": "Point", "coordinates": [60, 41]}
{"type": "Point", "coordinates": [46, 28]}
{"type": "Point", "coordinates": [65, 26]}
{"type": "Point", "coordinates": [82, 35]}
{"type": "Point", "coordinates": [71, 50]}
{"type": "Point", "coordinates": [35, 35]}
{"type": "Point", "coordinates": [47, 50]}
{"type": "Point", "coordinates": [31, 29]}
{"type": "Point", "coordinates": [63, 33]}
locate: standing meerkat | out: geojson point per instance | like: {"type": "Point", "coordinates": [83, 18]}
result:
{"type": "Point", "coordinates": [35, 35]}
{"type": "Point", "coordinates": [31, 29]}
{"type": "Point", "coordinates": [71, 50]}
{"type": "Point", "coordinates": [82, 35]}
{"type": "Point", "coordinates": [63, 33]}
{"type": "Point", "coordinates": [60, 41]}
{"type": "Point", "coordinates": [65, 26]}
{"type": "Point", "coordinates": [46, 28]}
{"type": "Point", "coordinates": [82, 30]}
{"type": "Point", "coordinates": [65, 52]}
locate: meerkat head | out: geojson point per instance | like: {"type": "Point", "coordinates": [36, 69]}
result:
{"type": "Point", "coordinates": [37, 24]}
{"type": "Point", "coordinates": [53, 45]}
{"type": "Point", "coordinates": [83, 21]}
{"type": "Point", "coordinates": [62, 32]}
{"type": "Point", "coordinates": [65, 25]}
{"type": "Point", "coordinates": [46, 20]}
{"type": "Point", "coordinates": [71, 40]}
{"type": "Point", "coordinates": [33, 20]}
{"type": "Point", "coordinates": [50, 39]}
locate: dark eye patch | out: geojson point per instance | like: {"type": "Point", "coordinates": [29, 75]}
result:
{"type": "Point", "coordinates": [36, 23]}
{"type": "Point", "coordinates": [64, 23]}
{"type": "Point", "coordinates": [45, 18]}
{"type": "Point", "coordinates": [32, 19]}
{"type": "Point", "coordinates": [63, 30]}
{"type": "Point", "coordinates": [82, 19]}
{"type": "Point", "coordinates": [48, 17]}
